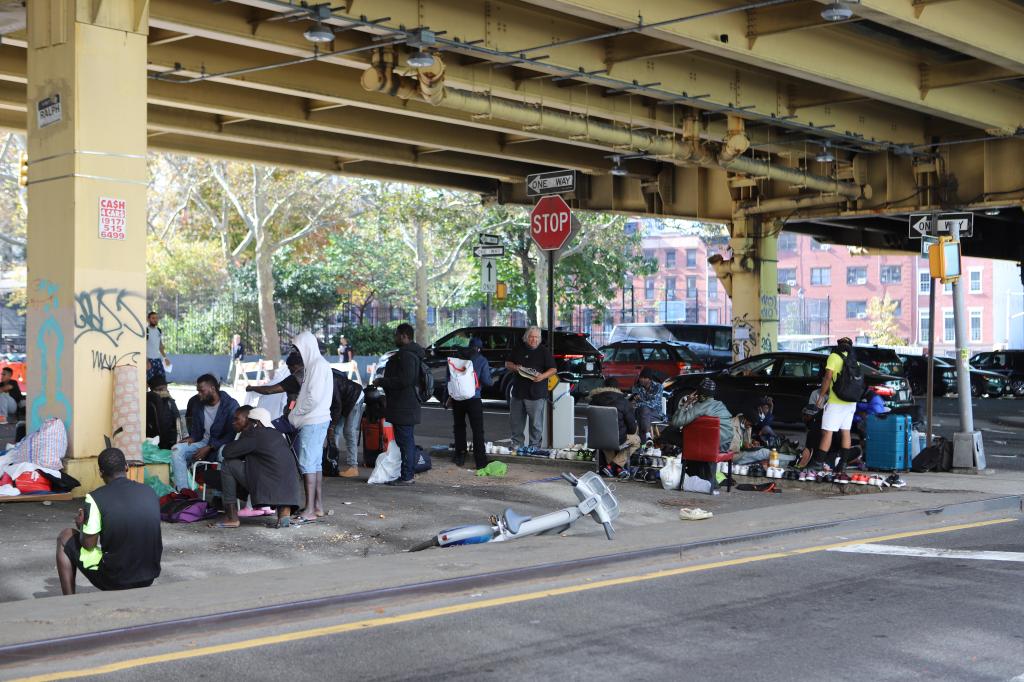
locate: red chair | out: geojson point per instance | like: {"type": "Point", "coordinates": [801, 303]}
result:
{"type": "Point", "coordinates": [701, 440]}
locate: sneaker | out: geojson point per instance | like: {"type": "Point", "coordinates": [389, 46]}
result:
{"type": "Point", "coordinates": [607, 472]}
{"type": "Point", "coordinates": [841, 479]}
{"type": "Point", "coordinates": [400, 482]}
{"type": "Point", "coordinates": [895, 481]}
{"type": "Point", "coordinates": [694, 514]}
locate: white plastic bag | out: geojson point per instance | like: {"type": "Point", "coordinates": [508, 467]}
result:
{"type": "Point", "coordinates": [388, 467]}
{"type": "Point", "coordinates": [463, 382]}
{"type": "Point", "coordinates": [671, 472]}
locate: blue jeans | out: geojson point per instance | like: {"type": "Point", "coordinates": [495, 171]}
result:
{"type": "Point", "coordinates": [405, 438]}
{"type": "Point", "coordinates": [311, 447]}
{"type": "Point", "coordinates": [182, 455]}
{"type": "Point", "coordinates": [346, 433]}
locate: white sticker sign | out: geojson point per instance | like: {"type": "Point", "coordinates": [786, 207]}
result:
{"type": "Point", "coordinates": [48, 111]}
{"type": "Point", "coordinates": [113, 218]}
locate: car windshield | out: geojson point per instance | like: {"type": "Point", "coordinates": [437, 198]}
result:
{"type": "Point", "coordinates": [686, 355]}
{"type": "Point", "coordinates": [755, 367]}
{"type": "Point", "coordinates": [573, 344]}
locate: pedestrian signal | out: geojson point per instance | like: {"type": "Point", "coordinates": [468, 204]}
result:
{"type": "Point", "coordinates": [501, 291]}
{"type": "Point", "coordinates": [944, 260]}
{"type": "Point", "coordinates": [23, 172]}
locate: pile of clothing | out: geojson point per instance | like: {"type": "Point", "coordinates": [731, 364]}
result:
{"type": "Point", "coordinates": [33, 465]}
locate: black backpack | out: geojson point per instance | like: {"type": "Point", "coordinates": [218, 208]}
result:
{"type": "Point", "coordinates": [936, 457]}
{"type": "Point", "coordinates": [849, 385]}
{"type": "Point", "coordinates": [425, 383]}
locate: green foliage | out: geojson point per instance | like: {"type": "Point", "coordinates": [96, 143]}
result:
{"type": "Point", "coordinates": [883, 328]}
{"type": "Point", "coordinates": [367, 339]}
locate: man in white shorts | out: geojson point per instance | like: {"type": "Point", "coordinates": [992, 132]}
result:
{"type": "Point", "coordinates": [838, 414]}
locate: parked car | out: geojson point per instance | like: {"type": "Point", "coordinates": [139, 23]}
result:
{"type": "Point", "coordinates": [884, 360]}
{"type": "Point", "coordinates": [624, 360]}
{"type": "Point", "coordinates": [788, 377]}
{"type": "Point", "coordinates": [711, 342]}
{"type": "Point", "coordinates": [984, 384]}
{"type": "Point", "coordinates": [1009, 363]}
{"type": "Point", "coordinates": [578, 362]}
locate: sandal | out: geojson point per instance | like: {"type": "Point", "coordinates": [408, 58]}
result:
{"type": "Point", "coordinates": [283, 522]}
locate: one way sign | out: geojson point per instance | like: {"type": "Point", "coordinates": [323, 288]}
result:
{"type": "Point", "coordinates": [929, 224]}
{"type": "Point", "coordinates": [552, 182]}
{"type": "Point", "coordinates": [488, 276]}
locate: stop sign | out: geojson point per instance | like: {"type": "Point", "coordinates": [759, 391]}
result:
{"type": "Point", "coordinates": [550, 222]}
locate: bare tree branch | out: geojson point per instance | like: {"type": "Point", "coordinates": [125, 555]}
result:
{"type": "Point", "coordinates": [449, 263]}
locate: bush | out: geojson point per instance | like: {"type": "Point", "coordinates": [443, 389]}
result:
{"type": "Point", "coordinates": [367, 339]}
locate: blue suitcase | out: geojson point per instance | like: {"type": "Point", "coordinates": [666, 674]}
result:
{"type": "Point", "coordinates": [888, 442]}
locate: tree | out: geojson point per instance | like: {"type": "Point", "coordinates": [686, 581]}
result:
{"type": "Point", "coordinates": [883, 327]}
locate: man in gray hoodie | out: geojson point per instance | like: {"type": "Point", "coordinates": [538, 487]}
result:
{"type": "Point", "coordinates": [312, 417]}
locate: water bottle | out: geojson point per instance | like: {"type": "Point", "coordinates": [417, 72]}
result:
{"type": "Point", "coordinates": [773, 458]}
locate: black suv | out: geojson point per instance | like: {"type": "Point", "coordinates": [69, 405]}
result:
{"type": "Point", "coordinates": [984, 384]}
{"type": "Point", "coordinates": [1009, 363]}
{"type": "Point", "coordinates": [578, 362]}
{"type": "Point", "coordinates": [885, 360]}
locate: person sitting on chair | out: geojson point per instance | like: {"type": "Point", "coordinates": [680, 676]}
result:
{"type": "Point", "coordinates": [629, 439]}
{"type": "Point", "coordinates": [702, 403]}
{"type": "Point", "coordinates": [647, 395]}
{"type": "Point", "coordinates": [209, 414]}
{"type": "Point", "coordinates": [261, 462]}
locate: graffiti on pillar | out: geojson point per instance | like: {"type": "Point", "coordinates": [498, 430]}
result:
{"type": "Point", "coordinates": [51, 401]}
{"type": "Point", "coordinates": [766, 343]}
{"type": "Point", "coordinates": [109, 313]}
{"type": "Point", "coordinates": [108, 361]}
{"type": "Point", "coordinates": [744, 338]}
{"type": "Point", "coordinates": [769, 307]}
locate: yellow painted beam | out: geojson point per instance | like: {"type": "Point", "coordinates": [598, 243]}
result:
{"type": "Point", "coordinates": [832, 56]}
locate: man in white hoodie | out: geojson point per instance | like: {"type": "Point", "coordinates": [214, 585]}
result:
{"type": "Point", "coordinates": [312, 416]}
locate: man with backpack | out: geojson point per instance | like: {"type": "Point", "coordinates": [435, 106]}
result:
{"type": "Point", "coordinates": [401, 383]}
{"type": "Point", "coordinates": [843, 385]}
{"type": "Point", "coordinates": [466, 374]}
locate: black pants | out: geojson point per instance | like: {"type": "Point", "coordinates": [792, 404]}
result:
{"type": "Point", "coordinates": [474, 409]}
{"type": "Point", "coordinates": [232, 478]}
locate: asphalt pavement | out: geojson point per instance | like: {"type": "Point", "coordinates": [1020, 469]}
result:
{"type": "Point", "coordinates": [802, 608]}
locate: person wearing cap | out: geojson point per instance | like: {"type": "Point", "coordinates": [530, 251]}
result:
{"type": "Point", "coordinates": [116, 544]}
{"type": "Point", "coordinates": [472, 408]}
{"type": "Point", "coordinates": [259, 461]}
{"type": "Point", "coordinates": [761, 425]}
{"type": "Point", "coordinates": [838, 414]}
{"type": "Point", "coordinates": [706, 406]}
{"type": "Point", "coordinates": [648, 397]}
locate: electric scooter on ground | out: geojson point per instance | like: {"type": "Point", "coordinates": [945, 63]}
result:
{"type": "Point", "coordinates": [594, 498]}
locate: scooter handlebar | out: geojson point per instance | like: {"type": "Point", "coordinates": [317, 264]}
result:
{"type": "Point", "coordinates": [608, 530]}
{"type": "Point", "coordinates": [570, 478]}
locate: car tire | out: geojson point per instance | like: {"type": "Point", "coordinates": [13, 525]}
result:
{"type": "Point", "coordinates": [506, 391]}
{"type": "Point", "coordinates": [1017, 388]}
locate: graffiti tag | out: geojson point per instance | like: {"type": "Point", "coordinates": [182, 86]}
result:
{"type": "Point", "coordinates": [769, 307]}
{"type": "Point", "coordinates": [108, 361]}
{"type": "Point", "coordinates": [107, 312]}
{"type": "Point", "coordinates": [744, 338]}
{"type": "Point", "coordinates": [51, 401]}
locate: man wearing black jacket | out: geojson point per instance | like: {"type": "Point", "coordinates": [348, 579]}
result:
{"type": "Point", "coordinates": [401, 375]}
{"type": "Point", "coordinates": [629, 438]}
{"type": "Point", "coordinates": [346, 411]}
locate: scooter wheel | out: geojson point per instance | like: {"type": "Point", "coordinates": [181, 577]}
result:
{"type": "Point", "coordinates": [432, 542]}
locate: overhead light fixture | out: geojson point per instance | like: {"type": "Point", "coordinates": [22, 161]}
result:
{"type": "Point", "coordinates": [992, 211]}
{"type": "Point", "coordinates": [617, 169]}
{"type": "Point", "coordinates": [825, 155]}
{"type": "Point", "coordinates": [318, 33]}
{"type": "Point", "coordinates": [421, 39]}
{"type": "Point", "coordinates": [838, 11]}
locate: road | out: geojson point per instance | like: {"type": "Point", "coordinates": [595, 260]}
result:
{"type": "Point", "coordinates": [806, 608]}
{"type": "Point", "coordinates": [1004, 445]}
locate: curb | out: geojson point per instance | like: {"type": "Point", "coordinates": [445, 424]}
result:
{"type": "Point", "coordinates": [30, 651]}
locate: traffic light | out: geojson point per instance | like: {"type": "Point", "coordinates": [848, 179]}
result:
{"type": "Point", "coordinates": [23, 172]}
{"type": "Point", "coordinates": [944, 260]}
{"type": "Point", "coordinates": [501, 291]}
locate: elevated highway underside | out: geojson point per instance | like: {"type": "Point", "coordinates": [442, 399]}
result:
{"type": "Point", "coordinates": [706, 109]}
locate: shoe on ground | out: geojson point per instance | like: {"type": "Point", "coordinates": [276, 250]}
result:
{"type": "Point", "coordinates": [607, 472]}
{"type": "Point", "coordinates": [895, 481]}
{"type": "Point", "coordinates": [350, 472]}
{"type": "Point", "coordinates": [459, 460]}
{"type": "Point", "coordinates": [400, 482]}
{"type": "Point", "coordinates": [841, 479]}
{"type": "Point", "coordinates": [694, 514]}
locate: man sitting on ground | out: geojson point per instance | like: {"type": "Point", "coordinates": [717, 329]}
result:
{"type": "Point", "coordinates": [10, 394]}
{"type": "Point", "coordinates": [209, 414]}
{"type": "Point", "coordinates": [260, 462]}
{"type": "Point", "coordinates": [629, 440]}
{"type": "Point", "coordinates": [117, 544]}
{"type": "Point", "coordinates": [647, 395]}
{"type": "Point", "coordinates": [704, 404]}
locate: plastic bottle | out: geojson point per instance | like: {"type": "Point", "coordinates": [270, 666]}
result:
{"type": "Point", "coordinates": [773, 458]}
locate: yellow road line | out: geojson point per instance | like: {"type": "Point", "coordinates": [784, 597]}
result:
{"type": "Point", "coordinates": [478, 605]}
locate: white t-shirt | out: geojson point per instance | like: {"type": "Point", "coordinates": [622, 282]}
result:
{"type": "Point", "coordinates": [154, 337]}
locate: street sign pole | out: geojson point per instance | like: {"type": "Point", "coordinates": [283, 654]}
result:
{"type": "Point", "coordinates": [930, 399]}
{"type": "Point", "coordinates": [968, 451]}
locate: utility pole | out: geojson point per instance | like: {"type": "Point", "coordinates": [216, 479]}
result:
{"type": "Point", "coordinates": [968, 449]}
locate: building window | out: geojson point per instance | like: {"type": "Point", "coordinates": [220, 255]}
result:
{"type": "Point", "coordinates": [691, 258]}
{"type": "Point", "coordinates": [712, 288]}
{"type": "Point", "coordinates": [975, 326]}
{"type": "Point", "coordinates": [787, 241]}
{"type": "Point", "coordinates": [948, 327]}
{"type": "Point", "coordinates": [714, 316]}
{"type": "Point", "coordinates": [649, 255]}
{"type": "Point", "coordinates": [898, 310]}
{"type": "Point", "coordinates": [649, 288]}
{"type": "Point", "coordinates": [891, 274]}
{"type": "Point", "coordinates": [649, 318]}
{"type": "Point", "coordinates": [670, 288]}
{"type": "Point", "coordinates": [670, 258]}
{"type": "Point", "coordinates": [821, 277]}
{"type": "Point", "coordinates": [924, 282]}
{"type": "Point", "coordinates": [691, 286]}
{"type": "Point", "coordinates": [923, 327]}
{"type": "Point", "coordinates": [856, 310]}
{"type": "Point", "coordinates": [947, 288]}
{"type": "Point", "coordinates": [975, 281]}
{"type": "Point", "coordinates": [787, 276]}
{"type": "Point", "coordinates": [857, 275]}
{"type": "Point", "coordinates": [819, 246]}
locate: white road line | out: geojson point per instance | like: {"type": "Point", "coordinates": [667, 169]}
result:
{"type": "Point", "coordinates": [930, 552]}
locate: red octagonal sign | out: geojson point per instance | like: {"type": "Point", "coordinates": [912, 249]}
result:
{"type": "Point", "coordinates": [551, 222]}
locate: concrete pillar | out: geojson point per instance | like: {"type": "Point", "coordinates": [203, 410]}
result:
{"type": "Point", "coordinates": [750, 279]}
{"type": "Point", "coordinates": [87, 215]}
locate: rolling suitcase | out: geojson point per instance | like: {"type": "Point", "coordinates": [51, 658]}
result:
{"type": "Point", "coordinates": [888, 446]}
